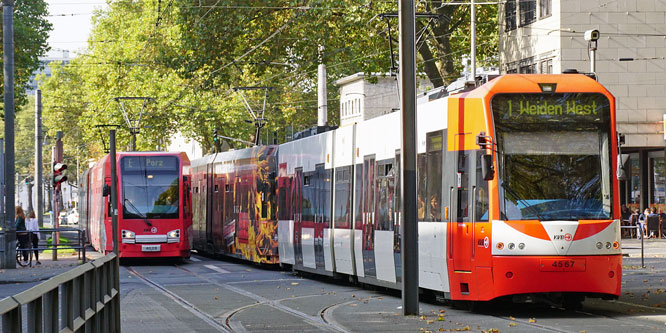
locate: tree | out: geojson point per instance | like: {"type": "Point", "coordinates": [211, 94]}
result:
{"type": "Point", "coordinates": [188, 56]}
{"type": "Point", "coordinates": [31, 30]}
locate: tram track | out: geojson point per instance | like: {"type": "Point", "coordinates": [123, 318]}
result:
{"type": "Point", "coordinates": [180, 301]}
{"type": "Point", "coordinates": [318, 322]}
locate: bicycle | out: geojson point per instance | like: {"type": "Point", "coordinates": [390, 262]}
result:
{"type": "Point", "coordinates": [19, 256]}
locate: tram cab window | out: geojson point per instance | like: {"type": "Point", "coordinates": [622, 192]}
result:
{"type": "Point", "coordinates": [481, 204]}
{"type": "Point", "coordinates": [463, 186]}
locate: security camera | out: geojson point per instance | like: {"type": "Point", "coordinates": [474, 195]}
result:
{"type": "Point", "coordinates": [592, 35]}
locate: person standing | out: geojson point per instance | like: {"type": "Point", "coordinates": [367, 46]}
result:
{"type": "Point", "coordinates": [21, 231]}
{"type": "Point", "coordinates": [32, 225]}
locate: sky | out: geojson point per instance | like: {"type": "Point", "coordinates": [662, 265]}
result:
{"type": "Point", "coordinates": [71, 21]}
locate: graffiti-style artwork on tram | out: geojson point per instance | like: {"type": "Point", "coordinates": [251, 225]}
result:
{"type": "Point", "coordinates": [235, 204]}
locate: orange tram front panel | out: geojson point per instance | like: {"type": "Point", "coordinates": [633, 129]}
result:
{"type": "Point", "coordinates": [527, 226]}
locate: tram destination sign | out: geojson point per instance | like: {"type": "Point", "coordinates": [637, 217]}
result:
{"type": "Point", "coordinates": [149, 163]}
{"type": "Point", "coordinates": [564, 107]}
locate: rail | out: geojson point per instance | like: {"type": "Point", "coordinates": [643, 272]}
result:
{"type": "Point", "coordinates": [85, 299]}
{"type": "Point", "coordinates": [80, 243]}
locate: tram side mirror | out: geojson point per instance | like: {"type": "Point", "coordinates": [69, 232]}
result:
{"type": "Point", "coordinates": [621, 173]}
{"type": "Point", "coordinates": [487, 169]}
{"type": "Point", "coordinates": [106, 190]}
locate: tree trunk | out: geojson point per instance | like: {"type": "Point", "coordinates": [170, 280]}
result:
{"type": "Point", "coordinates": [30, 208]}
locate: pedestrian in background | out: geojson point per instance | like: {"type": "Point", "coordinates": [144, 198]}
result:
{"type": "Point", "coordinates": [32, 225]}
{"type": "Point", "coordinates": [21, 232]}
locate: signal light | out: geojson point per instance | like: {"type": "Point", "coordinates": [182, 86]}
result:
{"type": "Point", "coordinates": [59, 175]}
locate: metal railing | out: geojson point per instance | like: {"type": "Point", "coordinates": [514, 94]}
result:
{"type": "Point", "coordinates": [84, 299]}
{"type": "Point", "coordinates": [80, 244]}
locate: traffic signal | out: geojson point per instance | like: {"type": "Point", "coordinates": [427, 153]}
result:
{"type": "Point", "coordinates": [59, 175]}
{"type": "Point", "coordinates": [216, 141]}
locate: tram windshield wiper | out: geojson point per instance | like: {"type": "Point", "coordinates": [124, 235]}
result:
{"type": "Point", "coordinates": [138, 212]}
{"type": "Point", "coordinates": [517, 196]}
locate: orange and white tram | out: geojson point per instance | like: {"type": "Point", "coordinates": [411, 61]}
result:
{"type": "Point", "coordinates": [517, 194]}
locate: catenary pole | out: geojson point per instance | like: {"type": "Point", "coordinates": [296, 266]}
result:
{"type": "Point", "coordinates": [409, 244]}
{"type": "Point", "coordinates": [473, 41]}
{"type": "Point", "coordinates": [8, 58]}
{"type": "Point", "coordinates": [38, 157]}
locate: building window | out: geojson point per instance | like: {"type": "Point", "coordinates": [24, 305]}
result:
{"type": "Point", "coordinates": [510, 15]}
{"type": "Point", "coordinates": [527, 66]}
{"type": "Point", "coordinates": [527, 12]}
{"type": "Point", "coordinates": [545, 8]}
{"type": "Point", "coordinates": [547, 66]}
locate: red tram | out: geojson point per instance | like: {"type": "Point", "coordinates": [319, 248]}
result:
{"type": "Point", "coordinates": [154, 205]}
{"type": "Point", "coordinates": [517, 195]}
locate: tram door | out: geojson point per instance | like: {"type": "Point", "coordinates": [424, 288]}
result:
{"type": "Point", "coordinates": [368, 238]}
{"type": "Point", "coordinates": [460, 249]}
{"type": "Point", "coordinates": [297, 202]}
{"type": "Point", "coordinates": [209, 203]}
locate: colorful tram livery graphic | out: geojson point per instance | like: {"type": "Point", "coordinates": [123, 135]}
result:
{"type": "Point", "coordinates": [154, 205]}
{"type": "Point", "coordinates": [516, 195]}
{"type": "Point", "coordinates": [234, 204]}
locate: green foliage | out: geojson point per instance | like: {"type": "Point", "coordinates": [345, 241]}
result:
{"type": "Point", "coordinates": [189, 55]}
{"type": "Point", "coordinates": [31, 30]}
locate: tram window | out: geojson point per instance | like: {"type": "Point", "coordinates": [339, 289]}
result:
{"type": "Point", "coordinates": [358, 184]}
{"type": "Point", "coordinates": [216, 188]}
{"type": "Point", "coordinates": [226, 187]}
{"type": "Point", "coordinates": [463, 187]}
{"type": "Point", "coordinates": [325, 198]}
{"type": "Point", "coordinates": [421, 192]}
{"type": "Point", "coordinates": [434, 147]}
{"type": "Point", "coordinates": [482, 199]}
{"type": "Point", "coordinates": [196, 189]}
{"type": "Point", "coordinates": [342, 198]}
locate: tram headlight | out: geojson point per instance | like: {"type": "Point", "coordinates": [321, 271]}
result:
{"type": "Point", "coordinates": [600, 245]}
{"type": "Point", "coordinates": [608, 245]}
{"type": "Point", "coordinates": [521, 246]}
{"type": "Point", "coordinates": [173, 236]}
{"type": "Point", "coordinates": [616, 245]}
{"type": "Point", "coordinates": [128, 237]}
{"type": "Point", "coordinates": [512, 246]}
{"type": "Point", "coordinates": [500, 245]}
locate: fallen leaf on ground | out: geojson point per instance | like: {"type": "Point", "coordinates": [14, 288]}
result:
{"type": "Point", "coordinates": [423, 317]}
{"type": "Point", "coordinates": [429, 321]}
{"type": "Point", "coordinates": [513, 324]}
{"type": "Point", "coordinates": [512, 318]}
{"type": "Point", "coordinates": [466, 328]}
{"type": "Point", "coordinates": [216, 298]}
{"type": "Point", "coordinates": [532, 320]}
{"type": "Point", "coordinates": [294, 283]}
{"type": "Point", "coordinates": [440, 318]}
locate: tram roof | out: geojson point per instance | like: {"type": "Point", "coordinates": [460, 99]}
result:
{"type": "Point", "coordinates": [530, 83]}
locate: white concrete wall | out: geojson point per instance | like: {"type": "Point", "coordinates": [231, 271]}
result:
{"type": "Point", "coordinates": [625, 26]}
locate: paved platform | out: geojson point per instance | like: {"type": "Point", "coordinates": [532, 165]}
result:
{"type": "Point", "coordinates": [14, 281]}
{"type": "Point", "coordinates": [652, 248]}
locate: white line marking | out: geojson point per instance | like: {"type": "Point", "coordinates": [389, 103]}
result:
{"type": "Point", "coordinates": [217, 269]}
{"type": "Point", "coordinates": [194, 259]}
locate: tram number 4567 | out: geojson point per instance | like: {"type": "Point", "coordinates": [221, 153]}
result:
{"type": "Point", "coordinates": [560, 265]}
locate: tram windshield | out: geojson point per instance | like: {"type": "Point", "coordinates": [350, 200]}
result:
{"type": "Point", "coordinates": [554, 156]}
{"type": "Point", "coordinates": [150, 186]}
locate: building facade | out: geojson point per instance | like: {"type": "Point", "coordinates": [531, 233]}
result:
{"type": "Point", "coordinates": [547, 36]}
